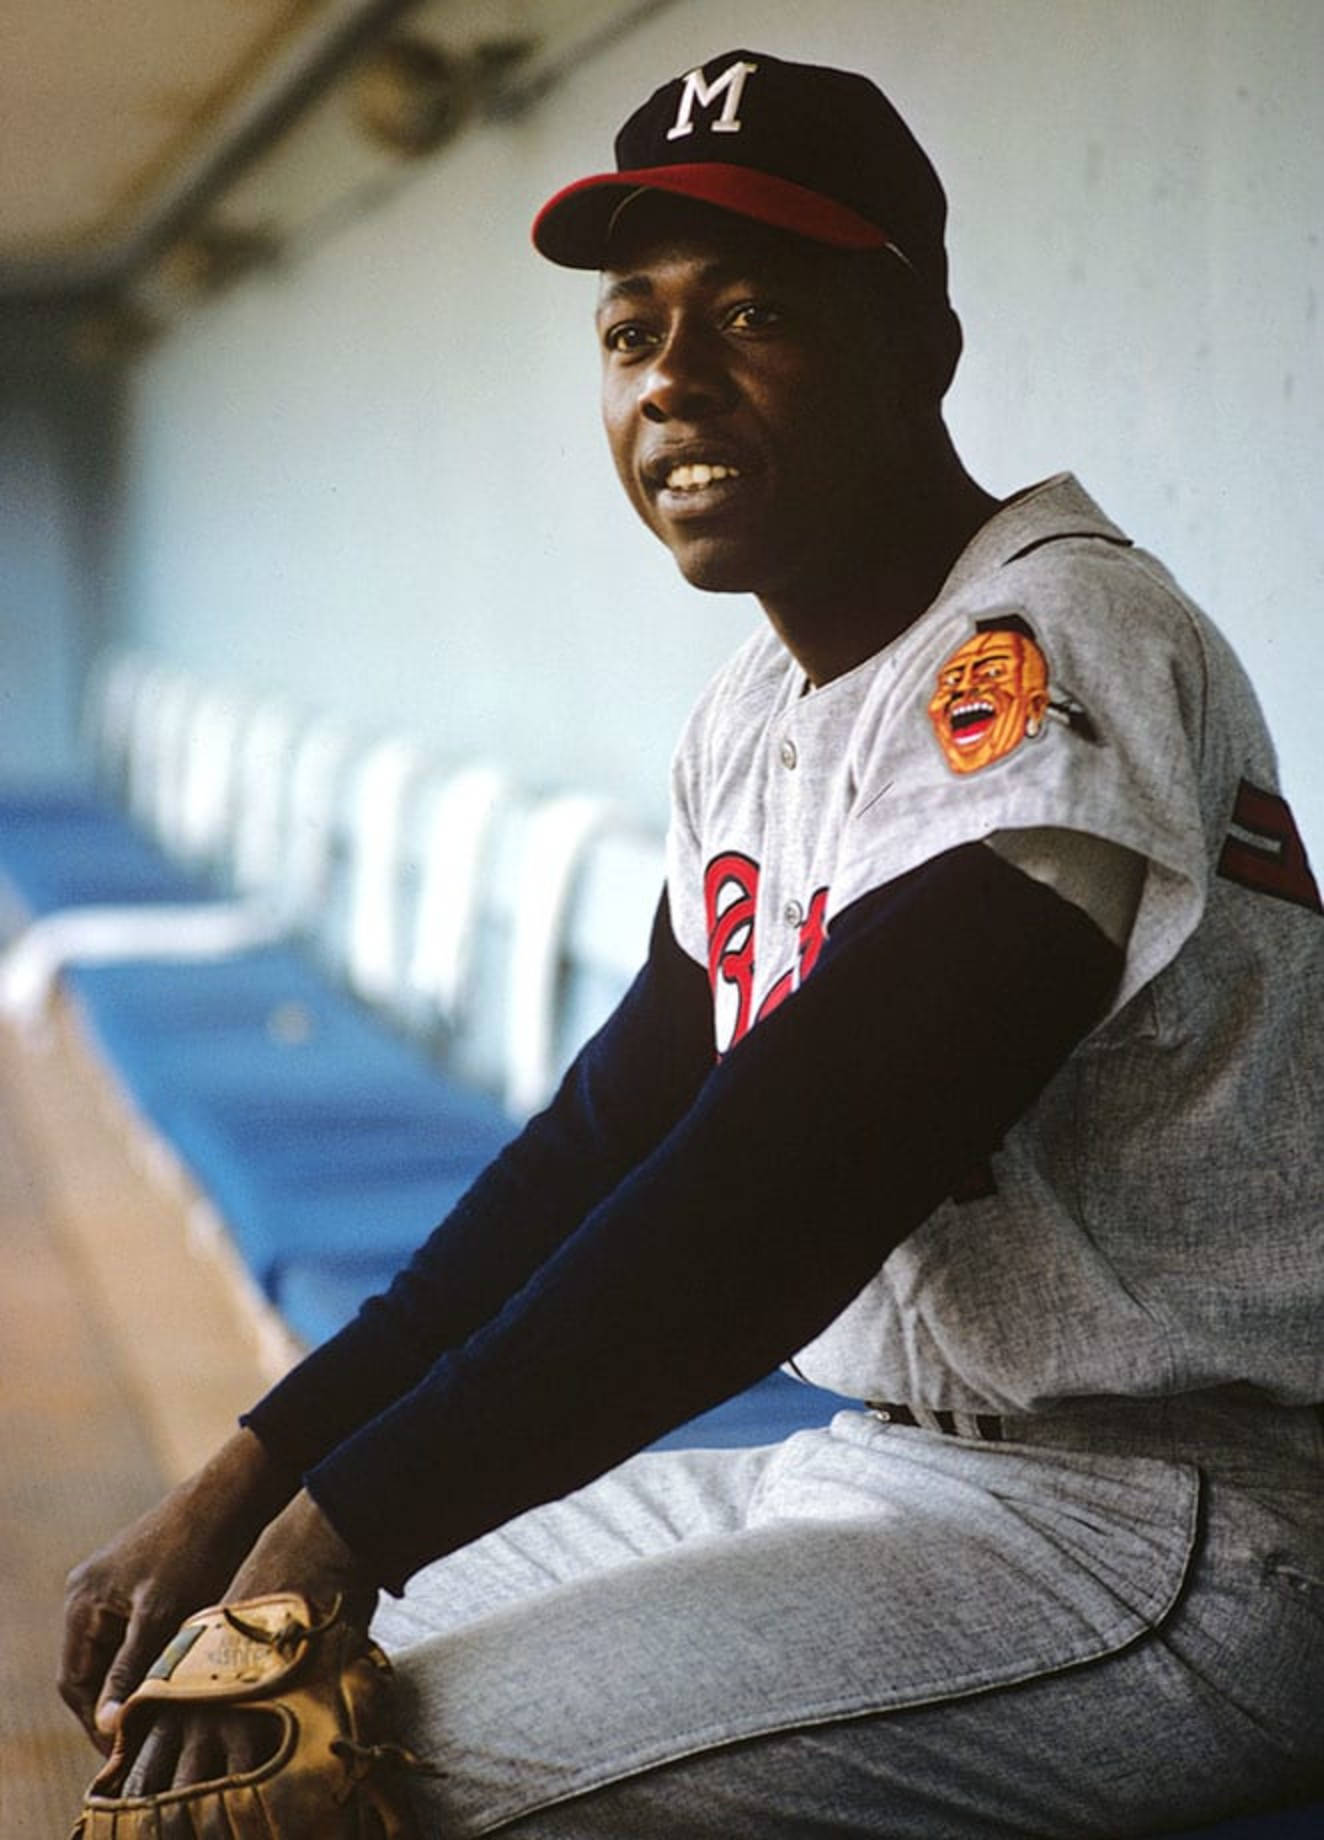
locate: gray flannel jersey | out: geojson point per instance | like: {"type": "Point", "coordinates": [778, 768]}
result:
{"type": "Point", "coordinates": [1156, 1222]}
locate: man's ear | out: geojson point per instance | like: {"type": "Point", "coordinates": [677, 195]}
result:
{"type": "Point", "coordinates": [932, 341]}
{"type": "Point", "coordinates": [910, 321]}
{"type": "Point", "coordinates": [945, 341]}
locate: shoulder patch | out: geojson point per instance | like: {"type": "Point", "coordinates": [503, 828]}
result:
{"type": "Point", "coordinates": [995, 691]}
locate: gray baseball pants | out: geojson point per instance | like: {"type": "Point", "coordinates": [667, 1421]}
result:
{"type": "Point", "coordinates": [1109, 1624]}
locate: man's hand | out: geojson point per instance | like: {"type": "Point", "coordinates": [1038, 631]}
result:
{"type": "Point", "coordinates": [262, 1716]}
{"type": "Point", "coordinates": [299, 1551]}
{"type": "Point", "coordinates": [124, 1603]}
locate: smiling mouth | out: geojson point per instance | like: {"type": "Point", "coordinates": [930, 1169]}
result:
{"type": "Point", "coordinates": [968, 721]}
{"type": "Point", "coordinates": [698, 476]}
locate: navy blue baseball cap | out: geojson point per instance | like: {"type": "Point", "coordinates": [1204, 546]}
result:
{"type": "Point", "coordinates": [818, 152]}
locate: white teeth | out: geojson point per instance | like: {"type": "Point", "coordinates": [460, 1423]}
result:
{"type": "Point", "coordinates": [693, 478]}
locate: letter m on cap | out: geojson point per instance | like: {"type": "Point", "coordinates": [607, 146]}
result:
{"type": "Point", "coordinates": [728, 88]}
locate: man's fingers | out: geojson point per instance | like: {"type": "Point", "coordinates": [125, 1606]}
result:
{"type": "Point", "coordinates": [109, 1644]}
{"type": "Point", "coordinates": [93, 1636]}
{"type": "Point", "coordinates": [182, 1749]}
{"type": "Point", "coordinates": [223, 1744]}
{"type": "Point", "coordinates": [153, 1769]}
{"type": "Point", "coordinates": [146, 1635]}
{"type": "Point", "coordinates": [202, 1756]}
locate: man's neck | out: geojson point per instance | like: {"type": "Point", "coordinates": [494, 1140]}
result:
{"type": "Point", "coordinates": [895, 577]}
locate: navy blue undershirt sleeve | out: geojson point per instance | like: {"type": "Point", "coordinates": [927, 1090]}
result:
{"type": "Point", "coordinates": [940, 1007]}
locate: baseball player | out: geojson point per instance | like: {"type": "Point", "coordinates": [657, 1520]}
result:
{"type": "Point", "coordinates": [974, 1072]}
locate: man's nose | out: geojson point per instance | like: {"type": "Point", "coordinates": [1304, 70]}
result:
{"type": "Point", "coordinates": [686, 380]}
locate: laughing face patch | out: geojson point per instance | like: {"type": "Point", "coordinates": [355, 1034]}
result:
{"type": "Point", "coordinates": [994, 692]}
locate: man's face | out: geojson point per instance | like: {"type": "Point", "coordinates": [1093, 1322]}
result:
{"type": "Point", "coordinates": [991, 694]}
{"type": "Point", "coordinates": [754, 407]}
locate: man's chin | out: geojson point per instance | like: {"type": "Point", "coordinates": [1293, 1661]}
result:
{"type": "Point", "coordinates": [717, 568]}
{"type": "Point", "coordinates": [713, 581]}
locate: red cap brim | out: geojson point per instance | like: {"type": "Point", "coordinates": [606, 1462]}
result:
{"type": "Point", "coordinates": [573, 226]}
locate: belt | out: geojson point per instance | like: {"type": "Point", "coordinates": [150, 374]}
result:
{"type": "Point", "coordinates": [985, 1425]}
{"type": "Point", "coordinates": [1187, 1427]}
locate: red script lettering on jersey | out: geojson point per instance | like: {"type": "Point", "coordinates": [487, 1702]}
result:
{"type": "Point", "coordinates": [731, 890]}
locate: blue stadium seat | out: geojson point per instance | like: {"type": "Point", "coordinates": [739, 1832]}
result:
{"type": "Point", "coordinates": [27, 811]}
{"type": "Point", "coordinates": [62, 847]}
{"type": "Point", "coordinates": [84, 853]}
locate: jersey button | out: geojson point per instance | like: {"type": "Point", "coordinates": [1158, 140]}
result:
{"type": "Point", "coordinates": [793, 913]}
{"type": "Point", "coordinates": [789, 755]}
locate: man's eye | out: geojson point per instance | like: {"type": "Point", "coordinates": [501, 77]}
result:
{"type": "Point", "coordinates": [753, 316]}
{"type": "Point", "coordinates": [627, 336]}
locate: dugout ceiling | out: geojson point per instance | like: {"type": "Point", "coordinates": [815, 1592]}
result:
{"type": "Point", "coordinates": [136, 135]}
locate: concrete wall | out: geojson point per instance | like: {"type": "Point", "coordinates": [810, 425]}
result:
{"type": "Point", "coordinates": [375, 475]}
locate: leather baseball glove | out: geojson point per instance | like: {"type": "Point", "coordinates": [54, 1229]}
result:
{"type": "Point", "coordinates": [333, 1772]}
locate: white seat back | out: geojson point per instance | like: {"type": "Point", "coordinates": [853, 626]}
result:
{"type": "Point", "coordinates": [559, 833]}
{"type": "Point", "coordinates": [205, 815]}
{"type": "Point", "coordinates": [460, 810]}
{"type": "Point", "coordinates": [320, 758]}
{"type": "Point", "coordinates": [263, 772]}
{"type": "Point", "coordinates": [383, 781]}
